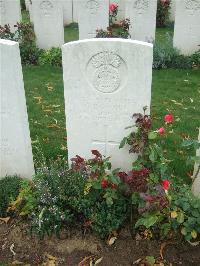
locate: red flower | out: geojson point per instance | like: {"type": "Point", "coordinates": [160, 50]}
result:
{"type": "Point", "coordinates": [114, 186]}
{"type": "Point", "coordinates": [169, 118]}
{"type": "Point", "coordinates": [104, 183]}
{"type": "Point", "coordinates": [165, 184]}
{"type": "Point", "coordinates": [113, 7]}
{"type": "Point", "coordinates": [161, 131]}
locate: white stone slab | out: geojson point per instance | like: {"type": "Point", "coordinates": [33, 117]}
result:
{"type": "Point", "coordinates": [10, 13]}
{"type": "Point", "coordinates": [187, 26]}
{"type": "Point", "coordinates": [67, 11]}
{"type": "Point", "coordinates": [15, 144]}
{"type": "Point", "coordinates": [108, 80]}
{"type": "Point", "coordinates": [172, 10]}
{"type": "Point", "coordinates": [75, 7]}
{"type": "Point", "coordinates": [48, 23]}
{"type": "Point", "coordinates": [142, 14]}
{"type": "Point", "coordinates": [196, 184]}
{"type": "Point", "coordinates": [92, 15]}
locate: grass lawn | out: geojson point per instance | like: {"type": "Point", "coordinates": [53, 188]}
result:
{"type": "Point", "coordinates": [176, 91]}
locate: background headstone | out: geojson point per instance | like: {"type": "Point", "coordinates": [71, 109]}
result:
{"type": "Point", "coordinates": [187, 26]}
{"type": "Point", "coordinates": [92, 15]}
{"type": "Point", "coordinates": [67, 11]}
{"type": "Point", "coordinates": [196, 184]}
{"type": "Point", "coordinates": [15, 144]}
{"type": "Point", "coordinates": [10, 13]}
{"type": "Point", "coordinates": [108, 80]}
{"type": "Point", "coordinates": [75, 7]}
{"type": "Point", "coordinates": [142, 14]}
{"type": "Point", "coordinates": [48, 23]}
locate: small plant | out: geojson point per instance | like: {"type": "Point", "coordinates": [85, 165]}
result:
{"type": "Point", "coordinates": [162, 15]}
{"type": "Point", "coordinates": [9, 190]}
{"type": "Point", "coordinates": [51, 57]}
{"type": "Point", "coordinates": [113, 11]}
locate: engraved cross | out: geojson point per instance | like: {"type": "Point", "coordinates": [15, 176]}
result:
{"type": "Point", "coordinates": [105, 142]}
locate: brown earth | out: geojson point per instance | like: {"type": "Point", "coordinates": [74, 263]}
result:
{"type": "Point", "coordinates": [18, 247]}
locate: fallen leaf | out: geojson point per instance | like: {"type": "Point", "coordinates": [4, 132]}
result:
{"type": "Point", "coordinates": [11, 249]}
{"type": "Point", "coordinates": [5, 220]}
{"type": "Point", "coordinates": [53, 126]}
{"type": "Point", "coordinates": [111, 241]}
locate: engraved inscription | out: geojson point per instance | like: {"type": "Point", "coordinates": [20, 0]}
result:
{"type": "Point", "coordinates": [105, 71]}
{"type": "Point", "coordinates": [141, 6]}
{"type": "Point", "coordinates": [46, 7]}
{"type": "Point", "coordinates": [192, 4]}
{"type": "Point", "coordinates": [92, 6]}
{"type": "Point", "coordinates": [2, 7]}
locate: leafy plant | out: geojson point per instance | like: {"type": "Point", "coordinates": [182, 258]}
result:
{"type": "Point", "coordinates": [51, 57]}
{"type": "Point", "coordinates": [162, 14]}
{"type": "Point", "coordinates": [9, 190]}
{"type": "Point", "coordinates": [113, 11]}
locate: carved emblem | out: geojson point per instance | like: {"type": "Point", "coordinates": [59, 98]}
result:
{"type": "Point", "coordinates": [105, 69]}
{"type": "Point", "coordinates": [192, 5]}
{"type": "Point", "coordinates": [46, 7]}
{"type": "Point", "coordinates": [92, 6]}
{"type": "Point", "coordinates": [141, 6]}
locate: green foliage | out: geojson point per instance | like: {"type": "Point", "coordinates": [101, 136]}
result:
{"type": "Point", "coordinates": [9, 190]}
{"type": "Point", "coordinates": [51, 57]}
{"type": "Point", "coordinates": [24, 34]}
{"type": "Point", "coordinates": [162, 15]}
{"type": "Point", "coordinates": [23, 5]}
{"type": "Point", "coordinates": [166, 56]}
{"type": "Point", "coordinates": [185, 215]}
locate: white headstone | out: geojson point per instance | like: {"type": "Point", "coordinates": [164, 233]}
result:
{"type": "Point", "coordinates": [27, 3]}
{"type": "Point", "coordinates": [196, 184]}
{"type": "Point", "coordinates": [142, 14]}
{"type": "Point", "coordinates": [75, 7]}
{"type": "Point", "coordinates": [108, 80]}
{"type": "Point", "coordinates": [48, 23]}
{"type": "Point", "coordinates": [187, 26]}
{"type": "Point", "coordinates": [67, 11]}
{"type": "Point", "coordinates": [15, 144]}
{"type": "Point", "coordinates": [10, 13]}
{"type": "Point", "coordinates": [92, 15]}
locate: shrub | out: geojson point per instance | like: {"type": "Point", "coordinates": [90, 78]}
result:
{"type": "Point", "coordinates": [162, 14]}
{"type": "Point", "coordinates": [51, 57]}
{"type": "Point", "coordinates": [24, 34]}
{"type": "Point", "coordinates": [9, 190]}
{"type": "Point", "coordinates": [23, 5]}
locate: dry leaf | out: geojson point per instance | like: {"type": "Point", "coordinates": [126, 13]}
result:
{"type": "Point", "coordinates": [11, 249]}
{"type": "Point", "coordinates": [111, 241]}
{"type": "Point", "coordinates": [5, 220]}
{"type": "Point", "coordinates": [53, 126]}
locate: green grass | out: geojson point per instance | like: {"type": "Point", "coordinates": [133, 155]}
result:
{"type": "Point", "coordinates": [176, 91]}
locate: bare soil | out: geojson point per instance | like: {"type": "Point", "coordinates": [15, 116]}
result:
{"type": "Point", "coordinates": [18, 247]}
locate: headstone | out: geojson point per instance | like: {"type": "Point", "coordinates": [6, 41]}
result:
{"type": "Point", "coordinates": [15, 144]}
{"type": "Point", "coordinates": [196, 184]}
{"type": "Point", "coordinates": [75, 7]}
{"type": "Point", "coordinates": [27, 3]}
{"type": "Point", "coordinates": [10, 13]}
{"type": "Point", "coordinates": [92, 15]}
{"type": "Point", "coordinates": [187, 26]}
{"type": "Point", "coordinates": [172, 10]}
{"type": "Point", "coordinates": [142, 14]}
{"type": "Point", "coordinates": [48, 23]}
{"type": "Point", "coordinates": [108, 80]}
{"type": "Point", "coordinates": [67, 11]}
{"type": "Point", "coordinates": [121, 9]}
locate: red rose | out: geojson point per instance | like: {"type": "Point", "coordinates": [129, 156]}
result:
{"type": "Point", "coordinates": [112, 7]}
{"type": "Point", "coordinates": [165, 184]}
{"type": "Point", "coordinates": [169, 118]}
{"type": "Point", "coordinates": [104, 183]}
{"type": "Point", "coordinates": [161, 131]}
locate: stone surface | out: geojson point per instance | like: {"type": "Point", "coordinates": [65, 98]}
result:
{"type": "Point", "coordinates": [92, 15]}
{"type": "Point", "coordinates": [15, 144]}
{"type": "Point", "coordinates": [196, 184]}
{"type": "Point", "coordinates": [48, 23]}
{"type": "Point", "coordinates": [108, 80]}
{"type": "Point", "coordinates": [10, 13]}
{"type": "Point", "coordinates": [67, 11]}
{"type": "Point", "coordinates": [187, 26]}
{"type": "Point", "coordinates": [142, 14]}
{"type": "Point", "coordinates": [27, 3]}
{"type": "Point", "coordinates": [75, 6]}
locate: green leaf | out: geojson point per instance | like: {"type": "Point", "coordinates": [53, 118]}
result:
{"type": "Point", "coordinates": [147, 221]}
{"type": "Point", "coordinates": [183, 231]}
{"type": "Point", "coordinates": [96, 185]}
{"type": "Point", "coordinates": [150, 260]}
{"type": "Point", "coordinates": [152, 156]}
{"type": "Point", "coordinates": [180, 217]}
{"type": "Point", "coordinates": [109, 201]}
{"type": "Point", "coordinates": [123, 142]}
{"type": "Point", "coordinates": [152, 135]}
